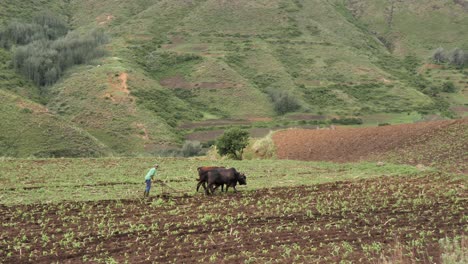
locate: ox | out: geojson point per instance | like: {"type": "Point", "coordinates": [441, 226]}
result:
{"type": "Point", "coordinates": [203, 176]}
{"type": "Point", "coordinates": [221, 176]}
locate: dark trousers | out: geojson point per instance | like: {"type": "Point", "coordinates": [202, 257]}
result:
{"type": "Point", "coordinates": [148, 185]}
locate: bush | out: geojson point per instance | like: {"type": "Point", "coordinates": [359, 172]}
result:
{"type": "Point", "coordinates": [457, 57]}
{"type": "Point", "coordinates": [191, 148]}
{"type": "Point", "coordinates": [384, 124]}
{"type": "Point", "coordinates": [265, 147]}
{"type": "Point", "coordinates": [347, 121]}
{"type": "Point", "coordinates": [439, 56]}
{"type": "Point", "coordinates": [232, 143]}
{"type": "Point", "coordinates": [449, 87]}
{"type": "Point", "coordinates": [283, 101]}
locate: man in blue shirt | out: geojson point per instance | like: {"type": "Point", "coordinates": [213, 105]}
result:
{"type": "Point", "coordinates": [149, 177]}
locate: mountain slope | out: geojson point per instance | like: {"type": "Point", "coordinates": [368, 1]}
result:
{"type": "Point", "coordinates": [174, 61]}
{"type": "Point", "coordinates": [29, 129]}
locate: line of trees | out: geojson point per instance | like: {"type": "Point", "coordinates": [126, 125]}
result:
{"type": "Point", "coordinates": [457, 57]}
{"type": "Point", "coordinates": [44, 26]}
{"type": "Point", "coordinates": [45, 48]}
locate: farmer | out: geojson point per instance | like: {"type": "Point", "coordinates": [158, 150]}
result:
{"type": "Point", "coordinates": [149, 177]}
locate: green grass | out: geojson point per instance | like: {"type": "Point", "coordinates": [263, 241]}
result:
{"type": "Point", "coordinates": [55, 180]}
{"type": "Point", "coordinates": [28, 129]}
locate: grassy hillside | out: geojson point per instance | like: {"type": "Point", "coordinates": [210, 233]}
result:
{"type": "Point", "coordinates": [172, 62]}
{"type": "Point", "coordinates": [29, 129]}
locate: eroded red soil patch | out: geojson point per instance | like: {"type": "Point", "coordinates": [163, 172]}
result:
{"type": "Point", "coordinates": [355, 221]}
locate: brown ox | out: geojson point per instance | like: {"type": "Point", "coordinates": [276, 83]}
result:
{"type": "Point", "coordinates": [203, 176]}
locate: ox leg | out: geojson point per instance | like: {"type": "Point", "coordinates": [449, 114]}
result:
{"type": "Point", "coordinates": [207, 190]}
{"type": "Point", "coordinates": [202, 183]}
{"type": "Point", "coordinates": [211, 187]}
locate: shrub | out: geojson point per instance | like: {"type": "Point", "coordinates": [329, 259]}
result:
{"type": "Point", "coordinates": [265, 147]}
{"type": "Point", "coordinates": [232, 143]}
{"type": "Point", "coordinates": [384, 124]}
{"type": "Point", "coordinates": [283, 101]}
{"type": "Point", "coordinates": [458, 58]}
{"type": "Point", "coordinates": [439, 55]}
{"type": "Point", "coordinates": [449, 87]}
{"type": "Point", "coordinates": [347, 121]}
{"type": "Point", "coordinates": [191, 148]}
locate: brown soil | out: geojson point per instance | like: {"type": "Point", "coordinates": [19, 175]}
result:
{"type": "Point", "coordinates": [325, 223]}
{"type": "Point", "coordinates": [354, 144]}
{"type": "Point", "coordinates": [142, 128]}
{"type": "Point", "coordinates": [104, 19]}
{"type": "Point", "coordinates": [118, 89]}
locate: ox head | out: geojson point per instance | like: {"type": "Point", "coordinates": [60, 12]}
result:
{"type": "Point", "coordinates": [242, 179]}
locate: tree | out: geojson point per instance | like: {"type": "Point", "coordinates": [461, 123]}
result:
{"type": "Point", "coordinates": [233, 142]}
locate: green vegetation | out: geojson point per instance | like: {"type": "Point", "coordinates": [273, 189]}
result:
{"type": "Point", "coordinates": [28, 129]}
{"type": "Point", "coordinates": [232, 143]}
{"type": "Point", "coordinates": [44, 50]}
{"type": "Point", "coordinates": [88, 179]}
{"type": "Point", "coordinates": [457, 57]}
{"type": "Point", "coordinates": [191, 61]}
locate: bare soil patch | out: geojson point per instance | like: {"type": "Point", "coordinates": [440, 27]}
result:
{"type": "Point", "coordinates": [118, 89]}
{"type": "Point", "coordinates": [355, 144]}
{"type": "Point", "coordinates": [104, 19]}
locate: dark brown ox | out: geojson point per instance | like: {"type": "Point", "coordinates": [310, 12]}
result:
{"type": "Point", "coordinates": [203, 176]}
{"type": "Point", "coordinates": [220, 176]}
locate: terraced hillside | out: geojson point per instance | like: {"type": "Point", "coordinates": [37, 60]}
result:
{"type": "Point", "coordinates": [171, 62]}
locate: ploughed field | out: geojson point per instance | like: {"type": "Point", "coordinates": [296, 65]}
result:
{"type": "Point", "coordinates": [441, 144]}
{"type": "Point", "coordinates": [361, 221]}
